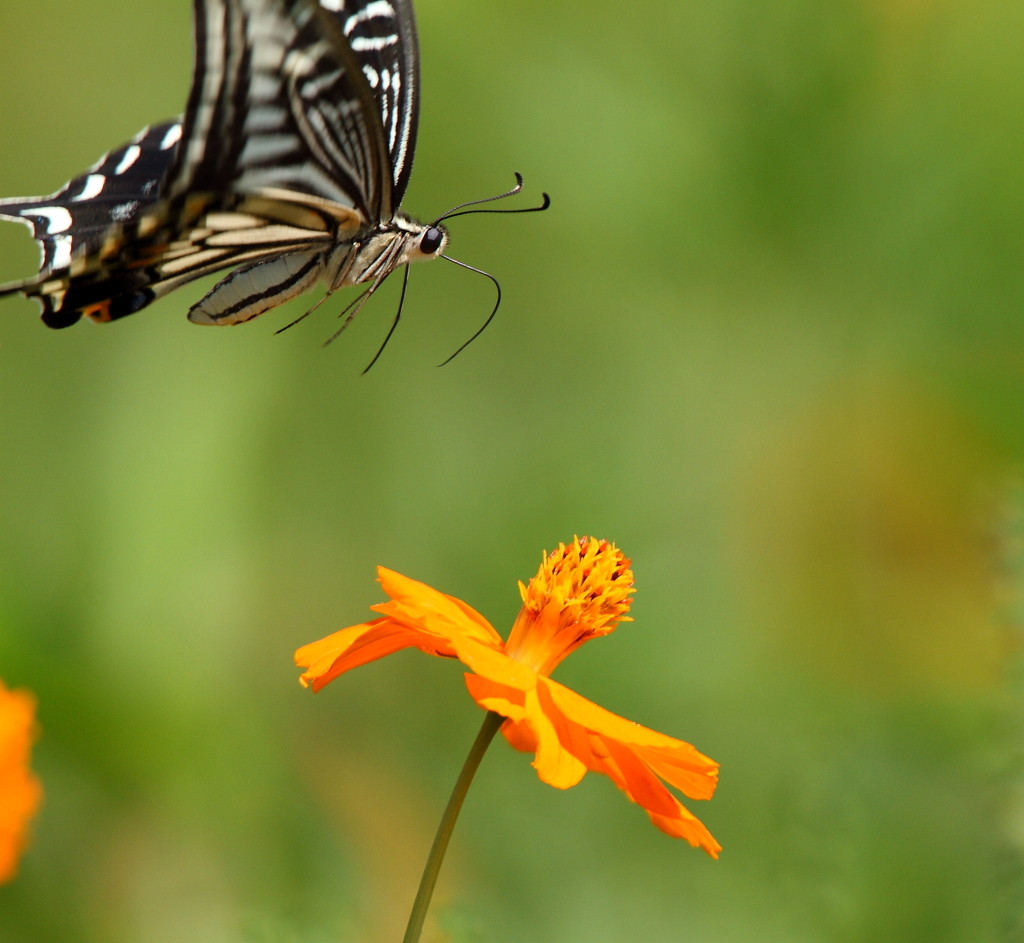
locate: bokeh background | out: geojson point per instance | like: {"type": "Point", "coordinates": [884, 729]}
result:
{"type": "Point", "coordinates": [770, 339]}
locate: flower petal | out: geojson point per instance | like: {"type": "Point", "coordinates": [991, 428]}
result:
{"type": "Point", "coordinates": [359, 644]}
{"type": "Point", "coordinates": [638, 782]}
{"type": "Point", "coordinates": [555, 765]}
{"type": "Point", "coordinates": [675, 761]}
{"type": "Point", "coordinates": [496, 666]}
{"type": "Point", "coordinates": [520, 736]}
{"type": "Point", "coordinates": [420, 606]}
{"type": "Point", "coordinates": [695, 777]}
{"type": "Point", "coordinates": [583, 730]}
{"type": "Point", "coordinates": [687, 826]}
{"type": "Point", "coordinates": [500, 698]}
{"type": "Point", "coordinates": [20, 791]}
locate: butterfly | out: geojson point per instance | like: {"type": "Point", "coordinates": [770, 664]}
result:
{"type": "Point", "coordinates": [288, 166]}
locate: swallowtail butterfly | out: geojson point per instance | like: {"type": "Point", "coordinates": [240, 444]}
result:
{"type": "Point", "coordinates": [288, 166]}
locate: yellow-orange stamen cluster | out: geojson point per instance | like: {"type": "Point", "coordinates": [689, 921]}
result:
{"type": "Point", "coordinates": [590, 581]}
{"type": "Point", "coordinates": [580, 592]}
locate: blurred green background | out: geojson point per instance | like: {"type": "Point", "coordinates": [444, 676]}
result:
{"type": "Point", "coordinates": [770, 339]}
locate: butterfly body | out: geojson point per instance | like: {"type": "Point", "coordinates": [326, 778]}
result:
{"type": "Point", "coordinates": [288, 166]}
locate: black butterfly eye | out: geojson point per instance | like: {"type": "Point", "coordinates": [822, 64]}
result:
{"type": "Point", "coordinates": [431, 241]}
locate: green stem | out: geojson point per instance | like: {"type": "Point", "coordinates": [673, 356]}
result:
{"type": "Point", "coordinates": [491, 725]}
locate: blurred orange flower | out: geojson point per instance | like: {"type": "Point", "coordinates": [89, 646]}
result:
{"type": "Point", "coordinates": [580, 592]}
{"type": "Point", "coordinates": [20, 791]}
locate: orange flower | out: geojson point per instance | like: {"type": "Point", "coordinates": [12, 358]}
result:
{"type": "Point", "coordinates": [580, 592]}
{"type": "Point", "coordinates": [20, 792]}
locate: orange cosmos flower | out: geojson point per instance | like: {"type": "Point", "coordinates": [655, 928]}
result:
{"type": "Point", "coordinates": [20, 792]}
{"type": "Point", "coordinates": [580, 592]}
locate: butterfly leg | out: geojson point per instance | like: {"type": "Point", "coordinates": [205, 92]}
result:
{"type": "Point", "coordinates": [357, 305]}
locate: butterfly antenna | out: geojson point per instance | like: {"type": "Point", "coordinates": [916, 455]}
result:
{"type": "Point", "coordinates": [497, 305]}
{"type": "Point", "coordinates": [394, 324]}
{"type": "Point", "coordinates": [518, 188]}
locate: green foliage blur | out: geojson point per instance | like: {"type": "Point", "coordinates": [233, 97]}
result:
{"type": "Point", "coordinates": [769, 339]}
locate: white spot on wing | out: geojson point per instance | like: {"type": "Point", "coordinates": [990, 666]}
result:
{"type": "Point", "coordinates": [94, 185]}
{"type": "Point", "coordinates": [335, 6]}
{"type": "Point", "coordinates": [373, 43]}
{"type": "Point", "coordinates": [171, 138]}
{"type": "Point", "coordinates": [371, 75]}
{"type": "Point", "coordinates": [369, 12]}
{"type": "Point", "coordinates": [61, 252]}
{"type": "Point", "coordinates": [59, 217]}
{"type": "Point", "coordinates": [130, 156]}
{"type": "Point", "coordinates": [123, 211]}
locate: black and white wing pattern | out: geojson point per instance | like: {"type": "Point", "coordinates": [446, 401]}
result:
{"type": "Point", "coordinates": [382, 36]}
{"type": "Point", "coordinates": [299, 132]}
{"type": "Point", "coordinates": [113, 190]}
{"type": "Point", "coordinates": [77, 226]}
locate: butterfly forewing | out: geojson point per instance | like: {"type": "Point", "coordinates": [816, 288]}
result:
{"type": "Point", "coordinates": [280, 99]}
{"type": "Point", "coordinates": [382, 37]}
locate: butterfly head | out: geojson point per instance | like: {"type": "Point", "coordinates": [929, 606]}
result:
{"type": "Point", "coordinates": [423, 241]}
{"type": "Point", "coordinates": [433, 240]}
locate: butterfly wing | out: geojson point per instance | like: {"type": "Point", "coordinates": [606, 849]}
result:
{"type": "Point", "coordinates": [284, 147]}
{"type": "Point", "coordinates": [382, 37]}
{"type": "Point", "coordinates": [111, 243]}
{"type": "Point", "coordinates": [81, 218]}
{"type": "Point", "coordinates": [280, 100]}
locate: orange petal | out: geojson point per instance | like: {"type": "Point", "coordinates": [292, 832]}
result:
{"type": "Point", "coordinates": [520, 736]}
{"type": "Point", "coordinates": [675, 761]}
{"type": "Point", "coordinates": [627, 765]}
{"type": "Point", "coordinates": [555, 765]}
{"type": "Point", "coordinates": [687, 826]}
{"type": "Point", "coordinates": [500, 698]}
{"type": "Point", "coordinates": [417, 605]}
{"type": "Point", "coordinates": [358, 645]}
{"type": "Point", "coordinates": [696, 778]}
{"type": "Point", "coordinates": [596, 718]}
{"type": "Point", "coordinates": [320, 655]}
{"type": "Point", "coordinates": [486, 626]}
{"type": "Point", "coordinates": [495, 665]}
{"type": "Point", "coordinates": [640, 784]}
{"type": "Point", "coordinates": [20, 791]}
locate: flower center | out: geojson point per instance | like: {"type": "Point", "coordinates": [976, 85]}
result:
{"type": "Point", "coordinates": [580, 591]}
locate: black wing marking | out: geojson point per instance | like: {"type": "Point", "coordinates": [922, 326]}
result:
{"type": "Point", "coordinates": [280, 100]}
{"type": "Point", "coordinates": [74, 220]}
{"type": "Point", "coordinates": [382, 37]}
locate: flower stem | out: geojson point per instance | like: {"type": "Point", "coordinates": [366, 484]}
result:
{"type": "Point", "coordinates": [491, 725]}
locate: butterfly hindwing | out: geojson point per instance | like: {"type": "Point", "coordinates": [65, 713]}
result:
{"type": "Point", "coordinates": [76, 218]}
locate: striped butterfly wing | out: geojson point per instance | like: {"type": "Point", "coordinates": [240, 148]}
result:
{"type": "Point", "coordinates": [78, 226]}
{"type": "Point", "coordinates": [382, 37]}
{"type": "Point", "coordinates": [285, 147]}
{"type": "Point", "coordinates": [319, 99]}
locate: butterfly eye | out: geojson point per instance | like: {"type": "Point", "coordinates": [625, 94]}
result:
{"type": "Point", "coordinates": [431, 240]}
